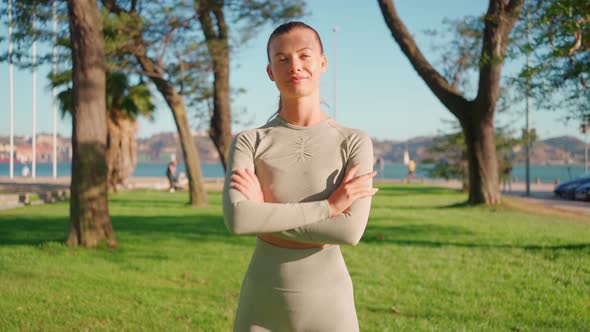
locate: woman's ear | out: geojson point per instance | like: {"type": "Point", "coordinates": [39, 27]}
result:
{"type": "Point", "coordinates": [269, 72]}
{"type": "Point", "coordinates": [324, 63]}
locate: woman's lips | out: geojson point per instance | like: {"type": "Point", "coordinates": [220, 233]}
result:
{"type": "Point", "coordinates": [297, 79]}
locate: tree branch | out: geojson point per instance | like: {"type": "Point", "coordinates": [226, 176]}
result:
{"type": "Point", "coordinates": [221, 25]}
{"type": "Point", "coordinates": [449, 96]}
{"type": "Point", "coordinates": [499, 21]}
{"type": "Point", "coordinates": [203, 11]}
{"type": "Point", "coordinates": [112, 6]}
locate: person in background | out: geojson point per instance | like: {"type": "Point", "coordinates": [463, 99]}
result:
{"type": "Point", "coordinates": [171, 175]}
{"type": "Point", "coordinates": [25, 171]}
{"type": "Point", "coordinates": [506, 174]}
{"type": "Point", "coordinates": [411, 169]}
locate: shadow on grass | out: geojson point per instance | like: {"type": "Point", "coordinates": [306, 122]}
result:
{"type": "Point", "coordinates": [421, 236]}
{"type": "Point", "coordinates": [37, 231]}
{"type": "Point", "coordinates": [459, 205]}
{"type": "Point", "coordinates": [32, 230]}
{"type": "Point", "coordinates": [419, 230]}
{"type": "Point", "coordinates": [578, 246]}
{"type": "Point", "coordinates": [210, 228]}
{"type": "Point", "coordinates": [397, 190]}
{"type": "Point", "coordinates": [172, 220]}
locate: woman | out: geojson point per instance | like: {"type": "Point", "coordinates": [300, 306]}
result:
{"type": "Point", "coordinates": [303, 184]}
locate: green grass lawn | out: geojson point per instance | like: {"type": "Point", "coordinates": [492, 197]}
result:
{"type": "Point", "coordinates": [425, 263]}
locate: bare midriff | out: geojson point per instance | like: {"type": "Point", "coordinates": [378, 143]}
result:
{"type": "Point", "coordinates": [276, 241]}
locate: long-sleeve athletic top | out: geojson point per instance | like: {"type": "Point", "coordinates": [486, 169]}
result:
{"type": "Point", "coordinates": [298, 167]}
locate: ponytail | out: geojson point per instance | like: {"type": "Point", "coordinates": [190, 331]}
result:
{"type": "Point", "coordinates": [275, 114]}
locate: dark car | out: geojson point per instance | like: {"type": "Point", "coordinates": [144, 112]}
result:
{"type": "Point", "coordinates": [568, 189]}
{"type": "Point", "coordinates": [582, 193]}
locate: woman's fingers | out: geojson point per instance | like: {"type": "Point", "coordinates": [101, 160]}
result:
{"type": "Point", "coordinates": [363, 178]}
{"type": "Point", "coordinates": [239, 179]}
{"type": "Point", "coordinates": [359, 182]}
{"type": "Point", "coordinates": [241, 189]}
{"type": "Point", "coordinates": [362, 192]}
{"type": "Point", "coordinates": [351, 172]}
{"type": "Point", "coordinates": [246, 182]}
{"type": "Point", "coordinates": [368, 192]}
{"type": "Point", "coordinates": [241, 173]}
{"type": "Point", "coordinates": [252, 175]}
{"type": "Point", "coordinates": [248, 175]}
{"type": "Point", "coordinates": [244, 176]}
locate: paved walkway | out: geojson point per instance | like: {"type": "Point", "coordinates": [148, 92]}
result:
{"type": "Point", "coordinates": [10, 189]}
{"type": "Point", "coordinates": [541, 193]}
{"type": "Point", "coordinates": [20, 184]}
{"type": "Point", "coordinates": [549, 199]}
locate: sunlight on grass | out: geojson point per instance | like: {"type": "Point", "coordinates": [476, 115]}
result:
{"type": "Point", "coordinates": [425, 263]}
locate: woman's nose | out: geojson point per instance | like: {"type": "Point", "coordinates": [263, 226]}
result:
{"type": "Point", "coordinates": [295, 65]}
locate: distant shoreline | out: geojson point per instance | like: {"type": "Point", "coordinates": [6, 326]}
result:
{"type": "Point", "coordinates": [218, 163]}
{"type": "Point", "coordinates": [157, 170]}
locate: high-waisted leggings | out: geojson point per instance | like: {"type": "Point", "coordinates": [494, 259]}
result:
{"type": "Point", "coordinates": [296, 290]}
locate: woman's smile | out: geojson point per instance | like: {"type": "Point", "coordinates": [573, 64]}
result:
{"type": "Point", "coordinates": [297, 79]}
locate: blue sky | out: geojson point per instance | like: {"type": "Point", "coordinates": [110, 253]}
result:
{"type": "Point", "coordinates": [377, 89]}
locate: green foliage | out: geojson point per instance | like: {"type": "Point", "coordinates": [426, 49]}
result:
{"type": "Point", "coordinates": [450, 151]}
{"type": "Point", "coordinates": [129, 100]}
{"type": "Point", "coordinates": [458, 46]}
{"type": "Point", "coordinates": [425, 263]}
{"type": "Point", "coordinates": [24, 12]}
{"type": "Point", "coordinates": [248, 16]}
{"type": "Point", "coordinates": [559, 75]}
{"type": "Point", "coordinates": [169, 31]}
{"type": "Point", "coordinates": [120, 32]}
{"type": "Point", "coordinates": [559, 46]}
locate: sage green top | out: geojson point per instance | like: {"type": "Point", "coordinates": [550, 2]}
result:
{"type": "Point", "coordinates": [298, 167]}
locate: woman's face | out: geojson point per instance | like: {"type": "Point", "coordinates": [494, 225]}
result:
{"type": "Point", "coordinates": [296, 63]}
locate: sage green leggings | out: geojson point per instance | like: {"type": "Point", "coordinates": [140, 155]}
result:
{"type": "Point", "coordinates": [296, 290]}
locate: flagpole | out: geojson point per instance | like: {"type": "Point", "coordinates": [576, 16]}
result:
{"type": "Point", "coordinates": [34, 164]}
{"type": "Point", "coordinates": [54, 89]}
{"type": "Point", "coordinates": [10, 89]}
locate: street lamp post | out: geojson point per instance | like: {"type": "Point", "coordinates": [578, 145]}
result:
{"type": "Point", "coordinates": [584, 129]}
{"type": "Point", "coordinates": [528, 106]}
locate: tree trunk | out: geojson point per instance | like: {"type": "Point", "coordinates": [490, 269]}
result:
{"type": "Point", "coordinates": [476, 117]}
{"type": "Point", "coordinates": [89, 214]}
{"type": "Point", "coordinates": [483, 165]}
{"type": "Point", "coordinates": [220, 130]}
{"type": "Point", "coordinates": [198, 195]}
{"type": "Point", "coordinates": [121, 151]}
{"type": "Point", "coordinates": [216, 36]}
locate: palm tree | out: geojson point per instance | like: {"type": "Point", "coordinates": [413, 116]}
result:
{"type": "Point", "coordinates": [124, 103]}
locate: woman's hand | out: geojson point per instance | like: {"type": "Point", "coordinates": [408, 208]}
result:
{"type": "Point", "coordinates": [351, 189]}
{"type": "Point", "coordinates": [246, 182]}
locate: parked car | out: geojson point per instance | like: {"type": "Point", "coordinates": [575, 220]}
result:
{"type": "Point", "coordinates": [582, 193]}
{"type": "Point", "coordinates": [568, 189]}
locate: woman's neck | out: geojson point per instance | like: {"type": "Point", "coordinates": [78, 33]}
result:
{"type": "Point", "coordinates": [303, 111]}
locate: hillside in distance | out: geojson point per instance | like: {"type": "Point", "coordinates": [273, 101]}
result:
{"type": "Point", "coordinates": [551, 151]}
